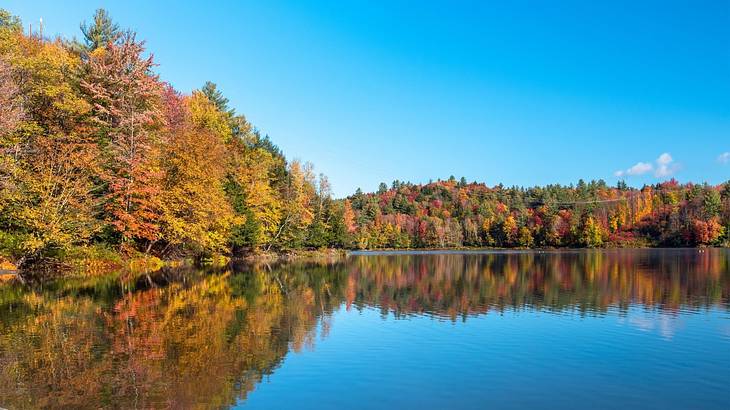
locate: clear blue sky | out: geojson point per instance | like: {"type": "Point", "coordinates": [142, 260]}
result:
{"type": "Point", "coordinates": [522, 93]}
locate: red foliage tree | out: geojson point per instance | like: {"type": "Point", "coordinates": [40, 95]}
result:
{"type": "Point", "coordinates": [125, 97]}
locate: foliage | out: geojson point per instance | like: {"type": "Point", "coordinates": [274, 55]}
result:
{"type": "Point", "coordinates": [452, 214]}
{"type": "Point", "coordinates": [95, 150]}
{"type": "Point", "coordinates": [195, 212]}
{"type": "Point", "coordinates": [125, 96]}
{"type": "Point", "coordinates": [100, 32]}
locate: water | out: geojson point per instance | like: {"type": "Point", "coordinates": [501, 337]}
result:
{"type": "Point", "coordinates": [568, 329]}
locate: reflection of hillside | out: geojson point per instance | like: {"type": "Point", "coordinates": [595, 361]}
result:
{"type": "Point", "coordinates": [199, 341]}
{"type": "Point", "coordinates": [186, 339]}
{"type": "Point", "coordinates": [451, 285]}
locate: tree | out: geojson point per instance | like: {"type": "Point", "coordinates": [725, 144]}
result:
{"type": "Point", "coordinates": [245, 235]}
{"type": "Point", "coordinates": [707, 232]}
{"type": "Point", "coordinates": [251, 183]}
{"type": "Point", "coordinates": [525, 237]}
{"type": "Point", "coordinates": [101, 32]}
{"type": "Point", "coordinates": [319, 229]}
{"type": "Point", "coordinates": [340, 229]}
{"type": "Point", "coordinates": [11, 109]}
{"type": "Point", "coordinates": [211, 91]}
{"type": "Point", "coordinates": [590, 233]}
{"type": "Point", "coordinates": [510, 231]}
{"type": "Point", "coordinates": [125, 95]}
{"type": "Point", "coordinates": [195, 214]}
{"type": "Point", "coordinates": [46, 161]}
{"type": "Point", "coordinates": [348, 216]}
{"type": "Point", "coordinates": [297, 213]}
{"type": "Point", "coordinates": [10, 22]}
{"type": "Point", "coordinates": [711, 203]}
{"type": "Point", "coordinates": [51, 204]}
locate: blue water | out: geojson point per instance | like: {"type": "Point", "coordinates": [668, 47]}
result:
{"type": "Point", "coordinates": [627, 355]}
{"type": "Point", "coordinates": [599, 329]}
{"type": "Point", "coordinates": [638, 358]}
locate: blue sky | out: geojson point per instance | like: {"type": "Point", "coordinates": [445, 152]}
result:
{"type": "Point", "coordinates": [521, 92]}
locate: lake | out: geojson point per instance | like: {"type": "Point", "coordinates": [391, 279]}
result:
{"type": "Point", "coordinates": [414, 330]}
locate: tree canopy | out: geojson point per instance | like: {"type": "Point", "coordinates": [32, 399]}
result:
{"type": "Point", "coordinates": [97, 150]}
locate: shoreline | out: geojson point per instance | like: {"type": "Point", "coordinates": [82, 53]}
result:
{"type": "Point", "coordinates": [145, 263]}
{"type": "Point", "coordinates": [416, 251]}
{"type": "Point", "coordinates": [292, 256]}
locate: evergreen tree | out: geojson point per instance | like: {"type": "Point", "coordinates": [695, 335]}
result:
{"type": "Point", "coordinates": [211, 91]}
{"type": "Point", "coordinates": [100, 32]}
{"type": "Point", "coordinates": [10, 22]}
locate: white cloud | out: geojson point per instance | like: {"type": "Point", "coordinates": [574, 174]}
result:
{"type": "Point", "coordinates": [724, 158]}
{"type": "Point", "coordinates": [638, 169]}
{"type": "Point", "coordinates": [664, 159]}
{"type": "Point", "coordinates": [665, 166]}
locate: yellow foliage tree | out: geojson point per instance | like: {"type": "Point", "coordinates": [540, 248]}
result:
{"type": "Point", "coordinates": [46, 158]}
{"type": "Point", "coordinates": [195, 212]}
{"type": "Point", "coordinates": [297, 213]}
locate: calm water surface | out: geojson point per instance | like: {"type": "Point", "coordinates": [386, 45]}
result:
{"type": "Point", "coordinates": [570, 329]}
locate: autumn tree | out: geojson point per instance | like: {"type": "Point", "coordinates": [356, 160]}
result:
{"type": "Point", "coordinates": [124, 94]}
{"type": "Point", "coordinates": [194, 211]}
{"type": "Point", "coordinates": [46, 160]}
{"type": "Point", "coordinates": [11, 109]}
{"type": "Point", "coordinates": [707, 232]}
{"type": "Point", "coordinates": [297, 196]}
{"type": "Point", "coordinates": [589, 232]}
{"type": "Point", "coordinates": [348, 216]}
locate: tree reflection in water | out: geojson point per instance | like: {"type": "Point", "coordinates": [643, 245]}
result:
{"type": "Point", "coordinates": [190, 338]}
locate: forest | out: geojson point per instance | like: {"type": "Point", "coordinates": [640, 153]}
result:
{"type": "Point", "coordinates": [452, 213]}
{"type": "Point", "coordinates": [98, 152]}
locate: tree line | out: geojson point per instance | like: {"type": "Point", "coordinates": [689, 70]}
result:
{"type": "Point", "coordinates": [453, 213]}
{"type": "Point", "coordinates": [97, 150]}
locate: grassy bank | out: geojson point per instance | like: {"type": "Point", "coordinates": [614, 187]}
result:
{"type": "Point", "coordinates": [100, 261]}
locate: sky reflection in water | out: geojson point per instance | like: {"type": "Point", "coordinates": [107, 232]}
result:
{"type": "Point", "coordinates": [615, 328]}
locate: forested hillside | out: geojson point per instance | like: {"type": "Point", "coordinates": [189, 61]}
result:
{"type": "Point", "coordinates": [451, 214]}
{"type": "Point", "coordinates": [97, 151]}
